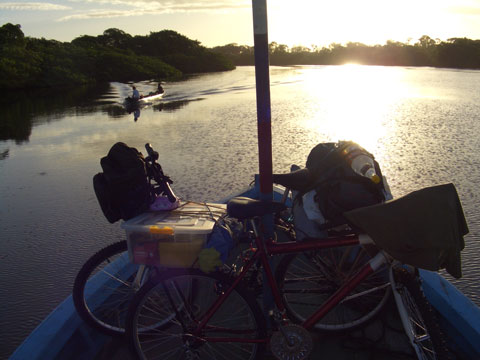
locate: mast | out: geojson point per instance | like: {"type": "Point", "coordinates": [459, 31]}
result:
{"type": "Point", "coordinates": [262, 82]}
{"type": "Point", "coordinates": [264, 125]}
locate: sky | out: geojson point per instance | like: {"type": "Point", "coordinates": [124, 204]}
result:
{"type": "Point", "coordinates": [219, 22]}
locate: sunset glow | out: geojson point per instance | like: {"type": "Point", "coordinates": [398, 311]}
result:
{"type": "Point", "coordinates": [310, 23]}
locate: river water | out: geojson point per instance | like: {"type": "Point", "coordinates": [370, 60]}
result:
{"type": "Point", "coordinates": [422, 125]}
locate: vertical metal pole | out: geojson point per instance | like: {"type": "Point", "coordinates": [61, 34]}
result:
{"type": "Point", "coordinates": [264, 125]}
{"type": "Point", "coordinates": [262, 81]}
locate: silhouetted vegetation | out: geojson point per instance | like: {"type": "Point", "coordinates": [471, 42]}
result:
{"type": "Point", "coordinates": [459, 53]}
{"type": "Point", "coordinates": [19, 109]}
{"type": "Point", "coordinates": [27, 62]}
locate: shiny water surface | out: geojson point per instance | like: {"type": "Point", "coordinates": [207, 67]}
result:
{"type": "Point", "coordinates": [422, 125]}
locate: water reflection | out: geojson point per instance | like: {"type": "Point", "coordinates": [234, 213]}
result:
{"type": "Point", "coordinates": [19, 110]}
{"type": "Point", "coordinates": [136, 114]}
{"type": "Point", "coordinates": [161, 105]}
{"type": "Point", "coordinates": [115, 111]}
{"type": "Point", "coordinates": [354, 100]}
{"type": "Point", "coordinates": [419, 123]}
{"type": "Point", "coordinates": [173, 105]}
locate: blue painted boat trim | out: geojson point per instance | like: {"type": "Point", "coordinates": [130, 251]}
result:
{"type": "Point", "coordinates": [460, 317]}
{"type": "Point", "coordinates": [48, 340]}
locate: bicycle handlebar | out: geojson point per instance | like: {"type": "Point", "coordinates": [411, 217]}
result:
{"type": "Point", "coordinates": [162, 180]}
{"type": "Point", "coordinates": [151, 153]}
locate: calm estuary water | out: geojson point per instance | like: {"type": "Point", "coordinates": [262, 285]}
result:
{"type": "Point", "coordinates": [422, 125]}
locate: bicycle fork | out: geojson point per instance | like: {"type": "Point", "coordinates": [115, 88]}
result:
{"type": "Point", "coordinates": [410, 322]}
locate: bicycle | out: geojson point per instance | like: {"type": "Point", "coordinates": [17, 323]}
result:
{"type": "Point", "coordinates": [216, 317]}
{"type": "Point", "coordinates": [106, 283]}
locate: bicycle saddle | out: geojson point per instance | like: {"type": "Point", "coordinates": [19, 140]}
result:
{"type": "Point", "coordinates": [244, 208]}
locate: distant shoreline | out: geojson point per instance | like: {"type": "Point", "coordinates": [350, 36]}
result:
{"type": "Point", "coordinates": [29, 63]}
{"type": "Point", "coordinates": [457, 53]}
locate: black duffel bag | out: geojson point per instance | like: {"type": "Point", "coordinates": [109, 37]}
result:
{"type": "Point", "coordinates": [123, 189]}
{"type": "Point", "coordinates": [338, 188]}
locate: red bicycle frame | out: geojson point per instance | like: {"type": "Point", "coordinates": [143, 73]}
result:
{"type": "Point", "coordinates": [266, 249]}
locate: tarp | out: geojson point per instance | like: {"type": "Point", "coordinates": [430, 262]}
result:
{"type": "Point", "coordinates": [424, 228]}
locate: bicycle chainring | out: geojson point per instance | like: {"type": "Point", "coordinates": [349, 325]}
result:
{"type": "Point", "coordinates": [293, 342]}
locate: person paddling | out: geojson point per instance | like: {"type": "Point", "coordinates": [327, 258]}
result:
{"type": "Point", "coordinates": [136, 94]}
{"type": "Point", "coordinates": [160, 88]}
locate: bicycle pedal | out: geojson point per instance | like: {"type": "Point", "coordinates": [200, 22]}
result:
{"type": "Point", "coordinates": [291, 342]}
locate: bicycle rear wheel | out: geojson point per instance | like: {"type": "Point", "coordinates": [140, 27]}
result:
{"type": "Point", "coordinates": [307, 280]}
{"type": "Point", "coordinates": [418, 318]}
{"type": "Point", "coordinates": [230, 333]}
{"type": "Point", "coordinates": [104, 287]}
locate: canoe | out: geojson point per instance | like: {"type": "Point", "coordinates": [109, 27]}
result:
{"type": "Point", "coordinates": [63, 335]}
{"type": "Point", "coordinates": [132, 103]}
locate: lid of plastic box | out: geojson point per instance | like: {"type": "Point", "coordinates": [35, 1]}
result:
{"type": "Point", "coordinates": [188, 218]}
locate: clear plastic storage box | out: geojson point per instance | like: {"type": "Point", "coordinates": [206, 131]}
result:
{"type": "Point", "coordinates": [171, 238]}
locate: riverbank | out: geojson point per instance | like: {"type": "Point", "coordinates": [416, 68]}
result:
{"type": "Point", "coordinates": [28, 63]}
{"type": "Point", "coordinates": [455, 53]}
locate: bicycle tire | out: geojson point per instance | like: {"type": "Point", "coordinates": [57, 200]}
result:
{"type": "Point", "coordinates": [307, 280]}
{"type": "Point", "coordinates": [103, 302]}
{"type": "Point", "coordinates": [192, 292]}
{"type": "Point", "coordinates": [418, 318]}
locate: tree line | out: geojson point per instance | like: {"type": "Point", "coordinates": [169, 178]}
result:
{"type": "Point", "coordinates": [27, 62]}
{"type": "Point", "coordinates": [459, 53]}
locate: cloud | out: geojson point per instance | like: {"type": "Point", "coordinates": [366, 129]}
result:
{"type": "Point", "coordinates": [176, 5]}
{"type": "Point", "coordinates": [225, 4]}
{"type": "Point", "coordinates": [32, 6]}
{"type": "Point", "coordinates": [101, 14]}
{"type": "Point", "coordinates": [154, 7]}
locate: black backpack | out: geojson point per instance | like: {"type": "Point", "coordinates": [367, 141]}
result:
{"type": "Point", "coordinates": [123, 189]}
{"type": "Point", "coordinates": [338, 188]}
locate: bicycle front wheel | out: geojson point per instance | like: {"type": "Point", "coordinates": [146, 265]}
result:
{"type": "Point", "coordinates": [307, 280]}
{"type": "Point", "coordinates": [418, 318]}
{"type": "Point", "coordinates": [104, 287]}
{"type": "Point", "coordinates": [235, 331]}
